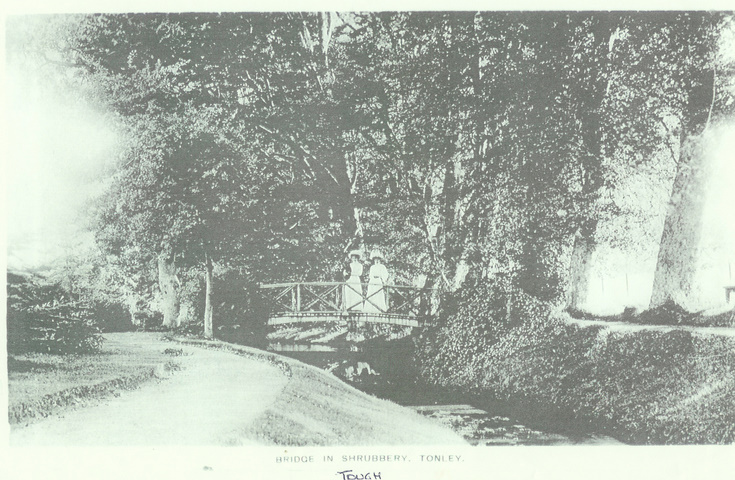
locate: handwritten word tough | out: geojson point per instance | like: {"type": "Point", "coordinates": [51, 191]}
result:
{"type": "Point", "coordinates": [348, 475]}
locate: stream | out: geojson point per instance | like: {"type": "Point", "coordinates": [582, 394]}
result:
{"type": "Point", "coordinates": [478, 424]}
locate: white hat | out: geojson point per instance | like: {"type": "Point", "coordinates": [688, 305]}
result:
{"type": "Point", "coordinates": [355, 253]}
{"type": "Point", "coordinates": [376, 254]}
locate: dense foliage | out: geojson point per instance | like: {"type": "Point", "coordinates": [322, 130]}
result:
{"type": "Point", "coordinates": [262, 147]}
{"type": "Point", "coordinates": [643, 387]}
{"type": "Point", "coordinates": [45, 318]}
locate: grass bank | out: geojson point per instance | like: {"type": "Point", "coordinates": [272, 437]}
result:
{"type": "Point", "coordinates": [640, 386]}
{"type": "Point", "coordinates": [316, 408]}
{"type": "Point", "coordinates": [40, 385]}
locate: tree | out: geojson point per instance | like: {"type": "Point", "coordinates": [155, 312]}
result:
{"type": "Point", "coordinates": [689, 46]}
{"type": "Point", "coordinates": [447, 161]}
{"type": "Point", "coordinates": [168, 197]}
{"type": "Point", "coordinates": [236, 156]}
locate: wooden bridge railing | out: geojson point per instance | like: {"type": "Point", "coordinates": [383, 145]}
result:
{"type": "Point", "coordinates": [325, 298]}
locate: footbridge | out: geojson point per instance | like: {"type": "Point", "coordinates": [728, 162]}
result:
{"type": "Point", "coordinates": [303, 302]}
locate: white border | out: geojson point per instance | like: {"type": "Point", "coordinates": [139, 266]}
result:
{"type": "Point", "coordinates": [589, 462]}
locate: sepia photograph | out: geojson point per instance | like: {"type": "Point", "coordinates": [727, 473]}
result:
{"type": "Point", "coordinates": [370, 243]}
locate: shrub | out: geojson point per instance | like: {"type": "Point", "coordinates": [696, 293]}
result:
{"type": "Point", "coordinates": [470, 323]}
{"type": "Point", "coordinates": [240, 313]}
{"type": "Point", "coordinates": [112, 316]}
{"type": "Point", "coordinates": [45, 318]}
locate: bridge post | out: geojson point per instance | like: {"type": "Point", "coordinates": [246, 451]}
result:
{"type": "Point", "coordinates": [298, 297]}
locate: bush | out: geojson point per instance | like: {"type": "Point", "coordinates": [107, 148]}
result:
{"type": "Point", "coordinates": [471, 322]}
{"type": "Point", "coordinates": [240, 313]}
{"type": "Point", "coordinates": [45, 318]}
{"type": "Point", "coordinates": [112, 316]}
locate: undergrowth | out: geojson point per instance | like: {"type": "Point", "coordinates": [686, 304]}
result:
{"type": "Point", "coordinates": [643, 387]}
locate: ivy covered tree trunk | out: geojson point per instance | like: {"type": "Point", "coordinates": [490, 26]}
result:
{"type": "Point", "coordinates": [208, 307]}
{"type": "Point", "coordinates": [677, 257]}
{"type": "Point", "coordinates": [167, 285]}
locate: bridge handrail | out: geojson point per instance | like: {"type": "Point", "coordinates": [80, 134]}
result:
{"type": "Point", "coordinates": [335, 284]}
{"type": "Point", "coordinates": [298, 298]}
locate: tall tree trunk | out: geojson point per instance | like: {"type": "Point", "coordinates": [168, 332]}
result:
{"type": "Point", "coordinates": [326, 21]}
{"type": "Point", "coordinates": [591, 131]}
{"type": "Point", "coordinates": [132, 303]}
{"type": "Point", "coordinates": [461, 29]}
{"type": "Point", "coordinates": [167, 285]}
{"type": "Point", "coordinates": [208, 307]}
{"type": "Point", "coordinates": [677, 256]}
{"type": "Point", "coordinates": [358, 233]}
{"type": "Point", "coordinates": [346, 212]}
{"type": "Point", "coordinates": [580, 272]}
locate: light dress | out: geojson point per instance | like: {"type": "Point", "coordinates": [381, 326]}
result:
{"type": "Point", "coordinates": [353, 289]}
{"type": "Point", "coordinates": [375, 301]}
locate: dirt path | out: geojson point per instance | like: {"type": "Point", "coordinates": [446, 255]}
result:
{"type": "Point", "coordinates": [633, 327]}
{"type": "Point", "coordinates": [208, 402]}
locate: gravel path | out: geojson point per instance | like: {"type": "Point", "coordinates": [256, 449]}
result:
{"type": "Point", "coordinates": [634, 327]}
{"type": "Point", "coordinates": [209, 401]}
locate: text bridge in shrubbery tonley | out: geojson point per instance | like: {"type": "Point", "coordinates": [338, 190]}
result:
{"type": "Point", "coordinates": [303, 302]}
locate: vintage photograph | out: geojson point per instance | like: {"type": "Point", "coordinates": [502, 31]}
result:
{"type": "Point", "coordinates": [383, 228]}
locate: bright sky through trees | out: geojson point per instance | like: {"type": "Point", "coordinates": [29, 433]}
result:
{"type": "Point", "coordinates": [56, 153]}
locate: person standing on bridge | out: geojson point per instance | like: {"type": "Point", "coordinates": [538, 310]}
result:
{"type": "Point", "coordinates": [352, 298]}
{"type": "Point", "coordinates": [375, 300]}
